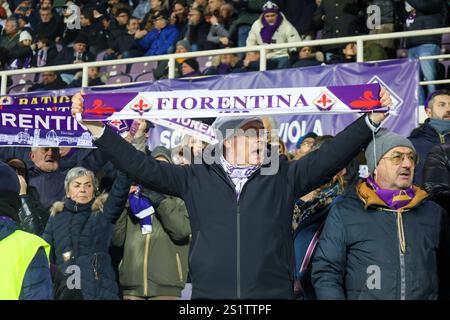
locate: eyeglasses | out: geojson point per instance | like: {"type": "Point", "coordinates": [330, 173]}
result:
{"type": "Point", "coordinates": [398, 157]}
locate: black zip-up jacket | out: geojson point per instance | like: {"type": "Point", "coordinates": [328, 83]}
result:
{"type": "Point", "coordinates": [240, 249]}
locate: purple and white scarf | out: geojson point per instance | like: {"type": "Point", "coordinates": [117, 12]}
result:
{"type": "Point", "coordinates": [268, 30]}
{"type": "Point", "coordinates": [142, 208]}
{"type": "Point", "coordinates": [394, 199]}
{"type": "Point", "coordinates": [238, 174]}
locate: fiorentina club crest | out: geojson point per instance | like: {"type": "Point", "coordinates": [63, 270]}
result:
{"type": "Point", "coordinates": [118, 124]}
{"type": "Point", "coordinates": [141, 105]}
{"type": "Point", "coordinates": [324, 102]}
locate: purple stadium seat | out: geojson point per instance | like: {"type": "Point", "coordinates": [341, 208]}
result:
{"type": "Point", "coordinates": [23, 78]}
{"type": "Point", "coordinates": [142, 67]}
{"type": "Point", "coordinates": [203, 62]}
{"type": "Point", "coordinates": [148, 76]}
{"type": "Point", "coordinates": [116, 69]}
{"type": "Point", "coordinates": [122, 78]}
{"type": "Point", "coordinates": [445, 43]}
{"type": "Point", "coordinates": [100, 55]}
{"type": "Point", "coordinates": [19, 88]}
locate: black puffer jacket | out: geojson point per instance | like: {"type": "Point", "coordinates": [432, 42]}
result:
{"type": "Point", "coordinates": [436, 175]}
{"type": "Point", "coordinates": [241, 249]}
{"type": "Point", "coordinates": [86, 231]}
{"type": "Point", "coordinates": [361, 243]}
{"type": "Point", "coordinates": [33, 216]}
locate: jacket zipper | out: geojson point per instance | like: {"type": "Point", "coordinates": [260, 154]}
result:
{"type": "Point", "coordinates": [95, 265]}
{"type": "Point", "coordinates": [402, 264]}
{"type": "Point", "coordinates": [180, 270]}
{"type": "Point", "coordinates": [145, 271]}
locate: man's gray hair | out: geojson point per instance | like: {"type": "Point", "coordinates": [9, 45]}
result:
{"type": "Point", "coordinates": [77, 172]}
{"type": "Point", "coordinates": [15, 21]}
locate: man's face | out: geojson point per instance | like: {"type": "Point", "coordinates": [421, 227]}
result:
{"type": "Point", "coordinates": [48, 77]}
{"type": "Point", "coordinates": [133, 26]}
{"type": "Point", "coordinates": [155, 4]}
{"type": "Point", "coordinates": [180, 49]}
{"type": "Point", "coordinates": [248, 147]}
{"type": "Point", "coordinates": [227, 59]}
{"type": "Point", "coordinates": [122, 19]}
{"type": "Point", "coordinates": [252, 56]}
{"type": "Point", "coordinates": [45, 158]}
{"type": "Point", "coordinates": [395, 171]}
{"type": "Point", "coordinates": [160, 23]}
{"type": "Point", "coordinates": [305, 53]}
{"type": "Point", "coordinates": [440, 108]}
{"type": "Point", "coordinates": [92, 72]}
{"type": "Point", "coordinates": [271, 17]}
{"type": "Point", "coordinates": [306, 146]}
{"type": "Point", "coordinates": [84, 22]}
{"type": "Point", "coordinates": [350, 50]}
{"type": "Point", "coordinates": [79, 47]}
{"type": "Point", "coordinates": [186, 69]}
{"type": "Point", "coordinates": [178, 9]}
{"type": "Point", "coordinates": [46, 4]}
{"type": "Point", "coordinates": [194, 17]}
{"type": "Point", "coordinates": [46, 15]}
{"type": "Point", "coordinates": [214, 5]}
{"type": "Point", "coordinates": [10, 28]}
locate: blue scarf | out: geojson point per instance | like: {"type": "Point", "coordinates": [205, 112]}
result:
{"type": "Point", "coordinates": [441, 126]}
{"type": "Point", "coordinates": [142, 208]}
{"type": "Point", "coordinates": [267, 31]}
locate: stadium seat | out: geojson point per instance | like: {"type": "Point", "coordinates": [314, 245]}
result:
{"type": "Point", "coordinates": [142, 67]}
{"type": "Point", "coordinates": [116, 70]}
{"type": "Point", "coordinates": [23, 78]}
{"type": "Point", "coordinates": [148, 76]}
{"type": "Point", "coordinates": [122, 78]}
{"type": "Point", "coordinates": [402, 53]}
{"type": "Point", "coordinates": [100, 55]}
{"type": "Point", "coordinates": [446, 64]}
{"type": "Point", "coordinates": [204, 62]}
{"type": "Point", "coordinates": [19, 88]}
{"type": "Point", "coordinates": [445, 43]}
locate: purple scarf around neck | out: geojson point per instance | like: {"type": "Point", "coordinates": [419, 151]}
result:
{"type": "Point", "coordinates": [267, 31]}
{"type": "Point", "coordinates": [394, 199]}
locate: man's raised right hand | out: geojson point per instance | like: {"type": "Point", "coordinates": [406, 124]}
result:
{"type": "Point", "coordinates": [95, 127]}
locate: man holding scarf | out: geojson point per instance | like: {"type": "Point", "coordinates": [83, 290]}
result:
{"type": "Point", "coordinates": [384, 240]}
{"type": "Point", "coordinates": [273, 27]}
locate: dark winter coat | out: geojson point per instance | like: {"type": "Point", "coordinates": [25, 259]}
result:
{"type": "Point", "coordinates": [361, 242]}
{"type": "Point", "coordinates": [85, 232]}
{"type": "Point", "coordinates": [32, 214]}
{"type": "Point", "coordinates": [424, 138]}
{"type": "Point", "coordinates": [436, 174]}
{"type": "Point", "coordinates": [50, 185]}
{"type": "Point", "coordinates": [241, 249]}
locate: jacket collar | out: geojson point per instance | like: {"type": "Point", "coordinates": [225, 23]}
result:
{"type": "Point", "coordinates": [74, 207]}
{"type": "Point", "coordinates": [371, 199]}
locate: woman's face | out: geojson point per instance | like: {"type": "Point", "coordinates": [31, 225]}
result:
{"type": "Point", "coordinates": [81, 190]}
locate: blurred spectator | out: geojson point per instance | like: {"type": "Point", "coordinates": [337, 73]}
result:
{"type": "Point", "coordinates": [21, 55]}
{"type": "Point", "coordinates": [347, 55]}
{"type": "Point", "coordinates": [227, 63]}
{"type": "Point", "coordinates": [49, 26]}
{"type": "Point", "coordinates": [50, 81]}
{"type": "Point", "coordinates": [306, 58]}
{"type": "Point", "coordinates": [434, 131]}
{"type": "Point", "coordinates": [273, 27]}
{"type": "Point", "coordinates": [197, 31]}
{"type": "Point", "coordinates": [251, 62]}
{"type": "Point", "coordinates": [214, 7]}
{"type": "Point", "coordinates": [219, 33]}
{"type": "Point", "coordinates": [156, 6]}
{"type": "Point", "coordinates": [46, 176]}
{"type": "Point", "coordinates": [92, 31]}
{"type": "Point", "coordinates": [436, 175]}
{"type": "Point", "coordinates": [71, 14]}
{"type": "Point", "coordinates": [118, 26]}
{"type": "Point", "coordinates": [202, 5]}
{"type": "Point", "coordinates": [125, 45]}
{"type": "Point", "coordinates": [5, 10]}
{"type": "Point", "coordinates": [425, 14]}
{"type": "Point", "coordinates": [300, 13]}
{"type": "Point", "coordinates": [249, 11]}
{"type": "Point", "coordinates": [94, 78]}
{"type": "Point", "coordinates": [142, 9]}
{"type": "Point", "coordinates": [162, 70]}
{"type": "Point", "coordinates": [305, 145]}
{"type": "Point", "coordinates": [162, 38]}
{"type": "Point", "coordinates": [4, 57]}
{"type": "Point", "coordinates": [189, 68]}
{"type": "Point", "coordinates": [73, 55]}
{"type": "Point", "coordinates": [33, 216]}
{"type": "Point", "coordinates": [389, 19]}
{"type": "Point", "coordinates": [24, 24]}
{"type": "Point", "coordinates": [179, 16]}
{"type": "Point", "coordinates": [46, 53]}
{"type": "Point", "coordinates": [339, 18]}
{"type": "Point", "coordinates": [10, 35]}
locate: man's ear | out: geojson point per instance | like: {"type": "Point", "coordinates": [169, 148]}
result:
{"type": "Point", "coordinates": [428, 112]}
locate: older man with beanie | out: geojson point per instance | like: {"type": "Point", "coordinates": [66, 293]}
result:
{"type": "Point", "coordinates": [384, 240]}
{"type": "Point", "coordinates": [24, 262]}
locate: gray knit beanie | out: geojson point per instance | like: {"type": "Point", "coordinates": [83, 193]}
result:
{"type": "Point", "coordinates": [384, 141]}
